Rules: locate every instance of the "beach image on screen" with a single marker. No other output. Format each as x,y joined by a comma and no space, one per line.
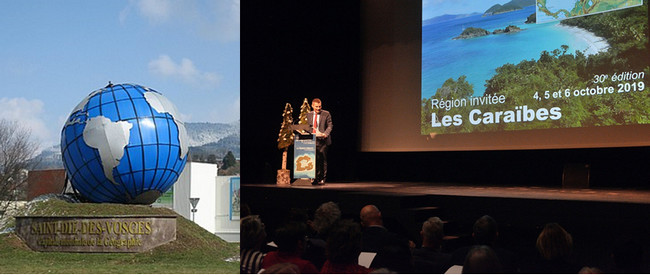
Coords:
493,65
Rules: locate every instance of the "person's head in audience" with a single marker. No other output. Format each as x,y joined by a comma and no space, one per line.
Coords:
432,233
485,231
297,215
344,243
554,242
290,238
371,216
325,216
252,232
481,259
245,210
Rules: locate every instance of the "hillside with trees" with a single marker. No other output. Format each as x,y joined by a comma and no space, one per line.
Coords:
508,7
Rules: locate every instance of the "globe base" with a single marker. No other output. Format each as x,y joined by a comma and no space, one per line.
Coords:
148,197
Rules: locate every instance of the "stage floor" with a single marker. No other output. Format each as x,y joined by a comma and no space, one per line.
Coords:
638,196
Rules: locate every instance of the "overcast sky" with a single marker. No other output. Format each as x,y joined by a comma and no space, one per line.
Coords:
54,53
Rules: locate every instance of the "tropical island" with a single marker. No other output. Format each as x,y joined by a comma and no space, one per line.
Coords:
531,19
472,32
513,5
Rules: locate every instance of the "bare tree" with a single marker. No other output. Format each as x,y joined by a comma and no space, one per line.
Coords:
16,151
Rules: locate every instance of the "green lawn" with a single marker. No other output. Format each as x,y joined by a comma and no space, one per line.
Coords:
195,250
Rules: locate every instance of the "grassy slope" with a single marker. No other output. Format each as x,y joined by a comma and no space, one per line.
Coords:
195,250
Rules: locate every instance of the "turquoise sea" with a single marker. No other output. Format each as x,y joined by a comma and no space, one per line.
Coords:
477,58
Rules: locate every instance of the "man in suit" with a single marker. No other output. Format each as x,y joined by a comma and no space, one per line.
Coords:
393,251
321,123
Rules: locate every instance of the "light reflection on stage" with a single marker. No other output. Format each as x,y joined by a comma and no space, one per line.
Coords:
520,192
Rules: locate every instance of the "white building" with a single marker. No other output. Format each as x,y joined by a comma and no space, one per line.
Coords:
217,210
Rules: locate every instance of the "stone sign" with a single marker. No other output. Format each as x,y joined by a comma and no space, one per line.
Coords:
96,233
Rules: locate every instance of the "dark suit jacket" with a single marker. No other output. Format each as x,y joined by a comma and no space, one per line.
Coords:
427,260
374,238
392,250
324,124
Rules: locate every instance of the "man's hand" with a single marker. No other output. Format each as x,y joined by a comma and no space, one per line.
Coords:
320,134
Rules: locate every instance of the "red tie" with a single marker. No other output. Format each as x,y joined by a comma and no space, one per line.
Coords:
315,122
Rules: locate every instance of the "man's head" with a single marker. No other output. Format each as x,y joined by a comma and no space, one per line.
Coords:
370,215
554,242
325,216
344,243
316,105
252,231
486,230
432,233
291,237
481,259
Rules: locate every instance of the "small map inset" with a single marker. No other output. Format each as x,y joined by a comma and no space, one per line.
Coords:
552,10
304,163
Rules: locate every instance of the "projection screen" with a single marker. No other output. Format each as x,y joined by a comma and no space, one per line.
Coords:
501,75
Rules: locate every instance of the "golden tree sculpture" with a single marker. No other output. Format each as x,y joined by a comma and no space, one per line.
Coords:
304,110
285,140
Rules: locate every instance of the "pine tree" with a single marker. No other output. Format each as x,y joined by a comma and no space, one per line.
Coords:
229,160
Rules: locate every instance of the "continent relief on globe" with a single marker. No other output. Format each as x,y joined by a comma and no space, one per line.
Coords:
109,138
162,105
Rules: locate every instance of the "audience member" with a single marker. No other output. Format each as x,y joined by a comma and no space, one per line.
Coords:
486,232
245,210
555,245
393,251
375,235
343,249
481,259
252,238
291,240
325,216
429,258
298,215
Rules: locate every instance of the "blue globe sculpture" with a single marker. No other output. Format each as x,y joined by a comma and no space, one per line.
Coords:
124,144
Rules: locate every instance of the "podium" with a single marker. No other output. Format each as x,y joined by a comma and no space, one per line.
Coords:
304,155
